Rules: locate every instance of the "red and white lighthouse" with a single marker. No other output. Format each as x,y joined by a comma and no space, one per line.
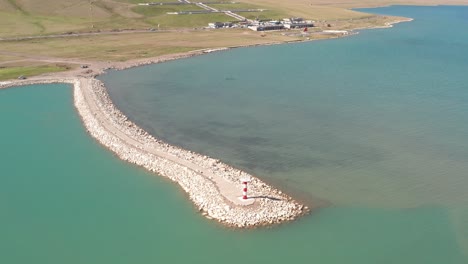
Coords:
244,187
244,190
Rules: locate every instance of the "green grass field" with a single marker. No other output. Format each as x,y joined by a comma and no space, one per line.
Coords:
28,17
157,10
236,5
268,13
191,21
265,15
14,72
157,15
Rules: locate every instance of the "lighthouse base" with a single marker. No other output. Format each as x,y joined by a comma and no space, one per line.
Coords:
247,201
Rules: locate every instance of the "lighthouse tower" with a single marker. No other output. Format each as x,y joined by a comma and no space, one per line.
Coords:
244,181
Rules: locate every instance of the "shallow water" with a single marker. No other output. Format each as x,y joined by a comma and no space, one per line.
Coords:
65,199
377,119
378,130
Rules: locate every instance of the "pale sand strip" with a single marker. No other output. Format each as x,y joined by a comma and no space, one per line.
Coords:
213,187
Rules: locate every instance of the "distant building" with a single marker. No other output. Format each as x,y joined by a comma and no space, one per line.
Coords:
220,25
296,19
297,22
289,23
266,27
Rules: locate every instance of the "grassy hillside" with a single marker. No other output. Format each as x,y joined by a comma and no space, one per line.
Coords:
32,17
26,17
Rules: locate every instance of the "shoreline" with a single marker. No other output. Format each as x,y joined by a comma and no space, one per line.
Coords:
164,58
214,187
390,24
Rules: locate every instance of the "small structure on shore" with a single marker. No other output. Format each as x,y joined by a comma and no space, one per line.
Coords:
286,23
244,189
220,25
297,22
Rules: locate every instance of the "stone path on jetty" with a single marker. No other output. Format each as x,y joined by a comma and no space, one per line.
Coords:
229,190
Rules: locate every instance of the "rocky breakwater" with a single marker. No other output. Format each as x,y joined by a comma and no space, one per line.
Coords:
214,187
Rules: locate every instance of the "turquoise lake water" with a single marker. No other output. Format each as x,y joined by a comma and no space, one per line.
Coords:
374,124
